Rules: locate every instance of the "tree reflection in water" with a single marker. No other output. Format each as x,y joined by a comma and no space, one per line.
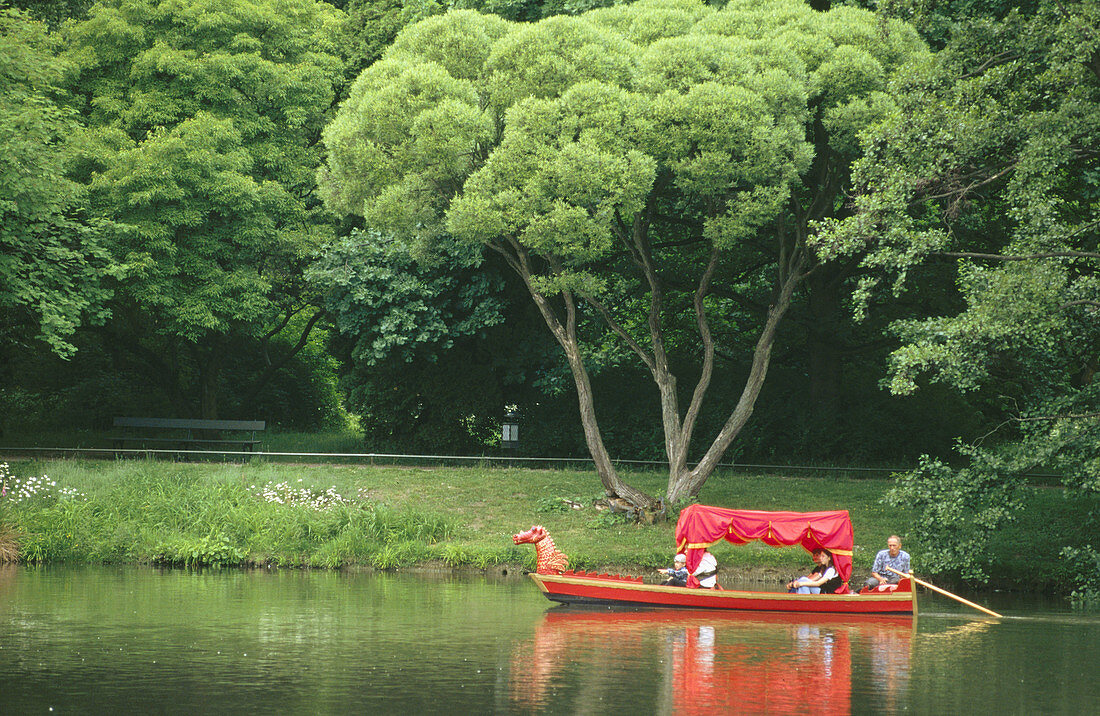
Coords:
706,662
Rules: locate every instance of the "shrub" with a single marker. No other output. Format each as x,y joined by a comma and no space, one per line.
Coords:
213,550
1083,566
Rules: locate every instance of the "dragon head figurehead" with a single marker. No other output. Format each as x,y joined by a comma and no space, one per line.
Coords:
549,560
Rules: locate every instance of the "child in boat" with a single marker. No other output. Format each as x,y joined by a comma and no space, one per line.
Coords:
678,575
823,578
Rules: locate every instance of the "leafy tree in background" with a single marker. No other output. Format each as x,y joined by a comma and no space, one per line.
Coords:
433,351
604,155
428,414
205,118
52,258
411,331
373,24
53,12
990,162
379,292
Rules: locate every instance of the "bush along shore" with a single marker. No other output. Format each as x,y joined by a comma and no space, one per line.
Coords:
335,516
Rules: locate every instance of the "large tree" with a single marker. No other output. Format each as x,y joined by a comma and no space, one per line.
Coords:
52,259
990,163
622,162
205,119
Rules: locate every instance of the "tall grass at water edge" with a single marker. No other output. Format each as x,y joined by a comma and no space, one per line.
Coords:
135,511
157,512
193,513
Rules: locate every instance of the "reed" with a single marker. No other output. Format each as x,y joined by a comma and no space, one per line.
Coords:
9,544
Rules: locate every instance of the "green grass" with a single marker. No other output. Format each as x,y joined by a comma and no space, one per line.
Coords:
331,441
193,513
141,511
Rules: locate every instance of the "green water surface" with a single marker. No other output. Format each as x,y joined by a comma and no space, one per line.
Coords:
126,640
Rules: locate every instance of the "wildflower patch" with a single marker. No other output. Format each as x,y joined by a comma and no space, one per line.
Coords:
15,489
284,493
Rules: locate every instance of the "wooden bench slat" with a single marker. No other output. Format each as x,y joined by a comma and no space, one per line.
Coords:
141,438
147,431
186,424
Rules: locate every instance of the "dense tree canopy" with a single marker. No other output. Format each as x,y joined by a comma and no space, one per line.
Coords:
53,12
605,155
204,119
990,161
52,260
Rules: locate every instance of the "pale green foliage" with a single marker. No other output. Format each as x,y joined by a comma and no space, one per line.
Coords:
460,42
561,172
52,256
572,145
548,133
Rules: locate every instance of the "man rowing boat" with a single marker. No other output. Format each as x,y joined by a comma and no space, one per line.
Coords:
894,558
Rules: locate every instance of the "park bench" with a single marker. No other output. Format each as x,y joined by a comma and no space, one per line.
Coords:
184,434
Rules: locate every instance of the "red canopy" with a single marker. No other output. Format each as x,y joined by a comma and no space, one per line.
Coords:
701,526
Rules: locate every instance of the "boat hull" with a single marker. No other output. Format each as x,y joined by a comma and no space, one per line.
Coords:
591,589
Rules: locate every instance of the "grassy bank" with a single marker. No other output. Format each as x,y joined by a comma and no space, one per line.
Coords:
138,511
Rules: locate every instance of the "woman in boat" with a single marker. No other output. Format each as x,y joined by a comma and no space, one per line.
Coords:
823,578
707,571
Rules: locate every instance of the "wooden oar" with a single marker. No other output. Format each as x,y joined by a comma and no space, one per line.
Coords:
946,593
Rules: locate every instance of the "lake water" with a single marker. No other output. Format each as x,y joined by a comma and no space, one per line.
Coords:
95,640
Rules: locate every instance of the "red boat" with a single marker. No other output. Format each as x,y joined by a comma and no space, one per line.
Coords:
701,526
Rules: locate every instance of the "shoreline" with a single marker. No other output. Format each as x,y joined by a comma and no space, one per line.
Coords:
439,520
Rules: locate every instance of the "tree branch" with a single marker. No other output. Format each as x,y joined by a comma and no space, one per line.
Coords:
519,262
621,332
959,193
708,347
998,59
1081,302
1069,416
1023,257
282,324
272,368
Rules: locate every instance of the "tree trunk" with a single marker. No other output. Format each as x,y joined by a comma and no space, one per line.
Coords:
565,332
677,430
613,485
688,483
209,371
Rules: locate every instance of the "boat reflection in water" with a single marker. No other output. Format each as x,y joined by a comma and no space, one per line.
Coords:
688,662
